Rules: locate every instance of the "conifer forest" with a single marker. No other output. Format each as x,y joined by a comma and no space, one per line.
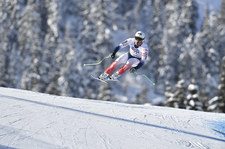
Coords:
44,45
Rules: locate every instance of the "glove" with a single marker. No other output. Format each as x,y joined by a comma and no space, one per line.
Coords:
113,55
133,70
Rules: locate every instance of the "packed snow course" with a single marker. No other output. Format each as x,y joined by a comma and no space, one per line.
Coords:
35,120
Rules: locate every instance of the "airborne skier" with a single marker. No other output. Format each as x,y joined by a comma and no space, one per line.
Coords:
134,58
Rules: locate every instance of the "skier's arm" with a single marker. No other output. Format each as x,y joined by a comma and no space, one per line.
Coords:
121,45
116,49
143,58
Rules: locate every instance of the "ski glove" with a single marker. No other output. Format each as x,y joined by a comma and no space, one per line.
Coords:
115,51
113,55
133,70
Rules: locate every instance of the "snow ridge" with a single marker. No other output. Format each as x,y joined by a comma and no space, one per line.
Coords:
36,120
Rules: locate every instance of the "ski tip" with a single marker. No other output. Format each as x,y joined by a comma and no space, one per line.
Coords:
96,78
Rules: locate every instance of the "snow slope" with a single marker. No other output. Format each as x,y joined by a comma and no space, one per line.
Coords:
35,120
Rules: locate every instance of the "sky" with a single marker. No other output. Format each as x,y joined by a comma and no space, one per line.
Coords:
36,120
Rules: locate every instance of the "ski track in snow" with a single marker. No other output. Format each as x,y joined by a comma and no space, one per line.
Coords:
35,120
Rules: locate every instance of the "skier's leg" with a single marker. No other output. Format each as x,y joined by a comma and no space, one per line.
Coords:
112,67
122,59
132,62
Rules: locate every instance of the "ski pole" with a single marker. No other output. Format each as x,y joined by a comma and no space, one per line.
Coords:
92,64
145,77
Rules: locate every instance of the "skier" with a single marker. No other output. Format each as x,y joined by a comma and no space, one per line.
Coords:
134,58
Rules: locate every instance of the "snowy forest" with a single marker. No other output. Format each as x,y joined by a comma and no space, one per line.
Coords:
44,45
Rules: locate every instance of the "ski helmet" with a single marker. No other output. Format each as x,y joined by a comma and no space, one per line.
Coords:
139,35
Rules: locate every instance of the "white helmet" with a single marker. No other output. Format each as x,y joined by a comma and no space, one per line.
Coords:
140,34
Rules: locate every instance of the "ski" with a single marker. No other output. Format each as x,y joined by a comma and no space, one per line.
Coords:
104,81
96,78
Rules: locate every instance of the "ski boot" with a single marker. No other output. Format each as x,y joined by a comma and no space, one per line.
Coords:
114,77
103,76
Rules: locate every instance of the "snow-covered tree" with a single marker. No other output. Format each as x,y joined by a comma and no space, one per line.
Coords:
185,58
141,97
177,97
155,44
140,11
10,61
217,104
221,88
170,40
179,23
205,57
66,59
4,22
53,88
105,93
222,12
189,15
214,104
30,40
51,37
205,24
179,94
193,101
212,58
96,33
221,30
169,95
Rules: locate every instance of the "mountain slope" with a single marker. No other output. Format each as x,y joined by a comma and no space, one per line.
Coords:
35,120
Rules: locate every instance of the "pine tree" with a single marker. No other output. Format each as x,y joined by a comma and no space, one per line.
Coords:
105,93
169,95
142,9
205,25
187,18
177,97
197,54
10,60
30,43
212,53
90,95
141,97
96,32
189,15
217,104
205,55
179,94
211,58
221,13
4,9
170,40
193,101
222,88
155,44
67,59
185,58
48,69
3,54
53,86
213,104
179,24
221,30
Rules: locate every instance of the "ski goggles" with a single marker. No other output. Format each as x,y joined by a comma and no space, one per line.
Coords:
138,39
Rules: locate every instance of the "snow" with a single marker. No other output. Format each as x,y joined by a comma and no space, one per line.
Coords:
192,87
36,120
